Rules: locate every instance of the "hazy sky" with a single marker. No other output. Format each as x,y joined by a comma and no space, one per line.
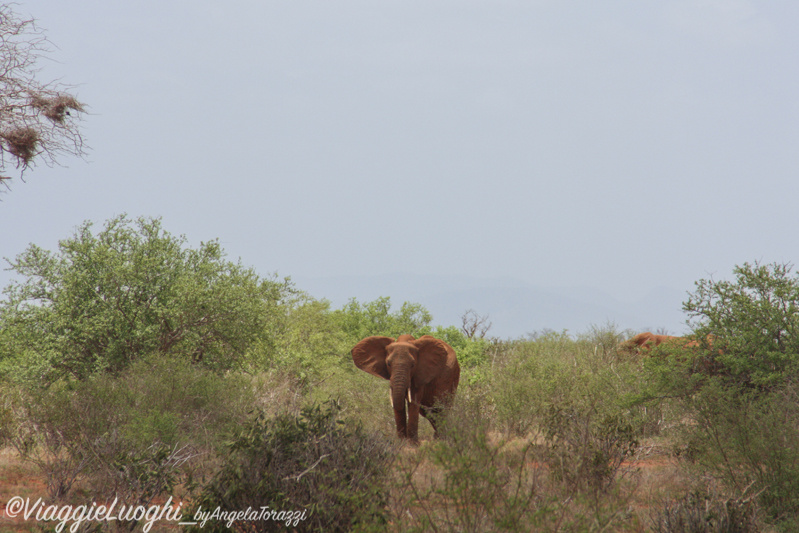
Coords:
622,145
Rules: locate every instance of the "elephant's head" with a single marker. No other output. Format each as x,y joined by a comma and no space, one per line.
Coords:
409,364
637,342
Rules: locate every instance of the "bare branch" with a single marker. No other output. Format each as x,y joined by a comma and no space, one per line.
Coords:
297,477
474,325
38,121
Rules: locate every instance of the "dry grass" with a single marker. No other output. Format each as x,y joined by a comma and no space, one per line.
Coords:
419,497
482,476
23,479
18,478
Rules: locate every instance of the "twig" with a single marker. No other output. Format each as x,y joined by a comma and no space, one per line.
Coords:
308,470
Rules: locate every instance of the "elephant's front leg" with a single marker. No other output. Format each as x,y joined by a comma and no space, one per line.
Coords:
414,404
399,419
413,421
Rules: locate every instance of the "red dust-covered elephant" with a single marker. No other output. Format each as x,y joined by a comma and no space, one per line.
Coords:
705,351
646,341
423,373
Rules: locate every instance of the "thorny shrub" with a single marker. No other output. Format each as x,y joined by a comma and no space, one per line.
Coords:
312,462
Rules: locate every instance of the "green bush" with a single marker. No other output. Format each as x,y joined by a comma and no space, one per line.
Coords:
518,384
733,397
359,320
106,429
748,440
753,324
586,448
314,465
106,299
308,341
553,371
604,342
472,352
468,482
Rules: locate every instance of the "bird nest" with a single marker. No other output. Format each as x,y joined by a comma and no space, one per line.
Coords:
21,143
56,108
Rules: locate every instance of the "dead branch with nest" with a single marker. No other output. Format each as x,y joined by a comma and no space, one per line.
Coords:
38,121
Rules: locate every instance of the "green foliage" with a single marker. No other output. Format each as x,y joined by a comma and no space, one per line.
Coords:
579,405
305,341
103,300
748,439
553,371
313,462
358,320
472,352
734,398
605,342
475,480
587,448
130,433
151,352
467,482
141,475
755,322
517,384
311,330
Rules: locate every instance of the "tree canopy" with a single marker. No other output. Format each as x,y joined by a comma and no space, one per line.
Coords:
104,300
751,324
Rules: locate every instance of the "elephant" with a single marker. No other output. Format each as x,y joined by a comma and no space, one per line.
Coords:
646,341
423,372
702,353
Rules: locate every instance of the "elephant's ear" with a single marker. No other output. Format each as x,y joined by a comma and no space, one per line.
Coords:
432,359
370,355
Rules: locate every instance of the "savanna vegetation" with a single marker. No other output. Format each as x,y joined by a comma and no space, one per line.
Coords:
136,367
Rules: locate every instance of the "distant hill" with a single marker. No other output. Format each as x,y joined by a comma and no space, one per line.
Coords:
515,308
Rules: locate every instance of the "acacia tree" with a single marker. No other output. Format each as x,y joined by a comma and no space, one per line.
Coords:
753,321
38,121
104,300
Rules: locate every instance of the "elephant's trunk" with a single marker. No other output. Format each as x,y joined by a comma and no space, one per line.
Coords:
399,391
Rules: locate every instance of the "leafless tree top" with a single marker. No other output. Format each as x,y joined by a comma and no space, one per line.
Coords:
38,121
474,325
